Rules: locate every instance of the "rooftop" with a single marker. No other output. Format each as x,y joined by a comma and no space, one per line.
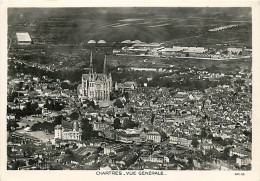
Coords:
23,36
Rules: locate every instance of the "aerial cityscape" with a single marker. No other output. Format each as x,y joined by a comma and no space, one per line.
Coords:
129,88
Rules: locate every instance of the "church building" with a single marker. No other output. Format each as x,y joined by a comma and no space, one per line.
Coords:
96,86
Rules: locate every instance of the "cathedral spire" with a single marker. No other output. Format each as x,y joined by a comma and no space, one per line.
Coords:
91,63
105,66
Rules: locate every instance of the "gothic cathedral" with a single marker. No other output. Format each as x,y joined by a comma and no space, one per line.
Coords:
96,86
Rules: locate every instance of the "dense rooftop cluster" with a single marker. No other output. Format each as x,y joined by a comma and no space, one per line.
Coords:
144,127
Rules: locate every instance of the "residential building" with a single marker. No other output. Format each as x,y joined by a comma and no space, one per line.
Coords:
154,136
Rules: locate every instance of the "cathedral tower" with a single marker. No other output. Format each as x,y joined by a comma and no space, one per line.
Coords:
96,86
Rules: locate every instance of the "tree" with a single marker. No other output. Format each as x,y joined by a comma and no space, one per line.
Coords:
12,125
64,85
190,164
124,114
194,142
240,81
15,165
163,135
110,113
35,127
225,52
75,146
28,149
152,119
132,110
118,103
128,124
126,95
11,96
74,116
225,155
32,161
203,133
43,126
68,151
26,87
210,136
58,120
117,124
92,104
87,130
51,105
20,85
34,106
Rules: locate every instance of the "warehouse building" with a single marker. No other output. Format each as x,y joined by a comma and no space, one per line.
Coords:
23,38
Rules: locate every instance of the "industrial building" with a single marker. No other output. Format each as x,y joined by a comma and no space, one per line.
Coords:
23,38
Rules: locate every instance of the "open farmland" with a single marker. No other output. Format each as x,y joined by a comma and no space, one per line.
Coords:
60,35
156,62
78,26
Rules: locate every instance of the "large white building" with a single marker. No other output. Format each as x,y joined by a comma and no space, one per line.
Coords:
126,86
23,38
154,136
64,133
96,86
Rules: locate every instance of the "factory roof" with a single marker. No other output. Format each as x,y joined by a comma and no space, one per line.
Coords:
23,36
136,41
101,41
92,41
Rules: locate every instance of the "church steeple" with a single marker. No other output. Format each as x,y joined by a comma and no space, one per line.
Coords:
105,66
91,63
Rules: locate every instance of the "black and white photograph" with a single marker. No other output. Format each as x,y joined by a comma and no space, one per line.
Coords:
109,89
